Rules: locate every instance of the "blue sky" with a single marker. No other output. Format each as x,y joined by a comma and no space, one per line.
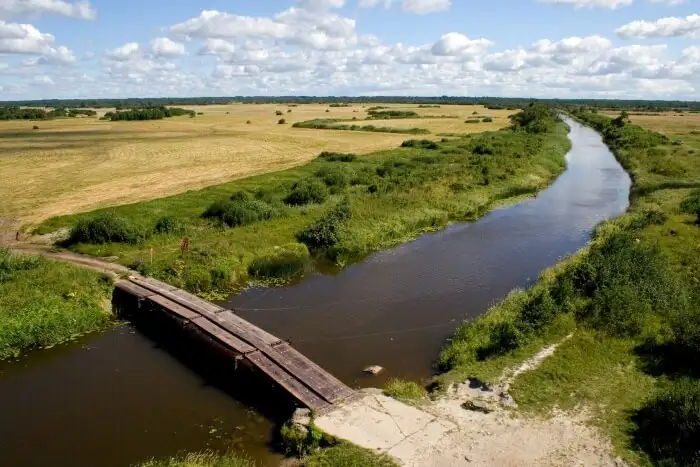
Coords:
558,48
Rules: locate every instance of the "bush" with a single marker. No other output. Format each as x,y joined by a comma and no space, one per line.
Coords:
240,212
503,337
35,127
104,228
279,112
537,313
168,225
420,143
324,233
691,205
472,120
487,120
248,122
668,427
240,196
335,176
306,192
282,121
337,157
647,218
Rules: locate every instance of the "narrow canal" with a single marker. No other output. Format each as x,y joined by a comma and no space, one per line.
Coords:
118,398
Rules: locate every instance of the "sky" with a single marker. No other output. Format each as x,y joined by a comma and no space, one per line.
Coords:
622,49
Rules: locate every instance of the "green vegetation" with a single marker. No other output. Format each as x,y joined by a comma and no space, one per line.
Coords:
630,300
204,459
43,303
404,390
348,455
335,124
392,114
339,206
18,113
149,113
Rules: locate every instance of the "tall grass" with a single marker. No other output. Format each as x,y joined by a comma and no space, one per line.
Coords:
43,303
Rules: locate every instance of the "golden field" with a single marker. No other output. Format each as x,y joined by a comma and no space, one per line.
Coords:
77,164
669,123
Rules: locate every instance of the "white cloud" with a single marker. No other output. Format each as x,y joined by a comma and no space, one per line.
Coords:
80,9
217,47
417,7
43,80
124,53
670,2
664,27
321,5
162,46
212,23
60,55
23,39
452,44
608,4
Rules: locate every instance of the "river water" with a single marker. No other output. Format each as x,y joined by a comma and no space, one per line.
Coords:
117,398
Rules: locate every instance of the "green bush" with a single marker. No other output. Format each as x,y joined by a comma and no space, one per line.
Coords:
335,176
691,205
472,120
324,233
537,313
239,213
168,225
420,143
648,217
668,426
104,228
307,191
337,157
503,337
240,196
487,120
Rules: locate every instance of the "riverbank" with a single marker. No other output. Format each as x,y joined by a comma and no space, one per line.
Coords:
338,208
629,301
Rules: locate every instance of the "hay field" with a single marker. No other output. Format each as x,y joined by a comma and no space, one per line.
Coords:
669,123
78,164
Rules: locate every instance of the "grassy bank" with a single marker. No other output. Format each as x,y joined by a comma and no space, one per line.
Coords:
43,303
630,299
340,207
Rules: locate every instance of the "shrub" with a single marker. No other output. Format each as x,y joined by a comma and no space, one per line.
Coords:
35,127
104,228
337,157
239,213
282,121
503,337
248,122
306,192
240,196
691,205
335,176
668,426
537,313
420,143
324,233
168,225
487,120
279,112
472,120
648,217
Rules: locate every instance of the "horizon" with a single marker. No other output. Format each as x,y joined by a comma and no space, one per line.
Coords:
540,49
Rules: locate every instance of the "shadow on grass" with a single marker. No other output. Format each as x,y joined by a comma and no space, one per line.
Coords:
669,359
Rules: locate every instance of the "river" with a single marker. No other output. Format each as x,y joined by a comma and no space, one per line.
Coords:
116,398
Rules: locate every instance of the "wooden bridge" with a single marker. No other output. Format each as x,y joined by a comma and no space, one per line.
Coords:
307,382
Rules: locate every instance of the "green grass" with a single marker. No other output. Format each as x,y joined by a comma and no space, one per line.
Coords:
335,124
395,195
633,292
404,390
205,459
348,455
43,303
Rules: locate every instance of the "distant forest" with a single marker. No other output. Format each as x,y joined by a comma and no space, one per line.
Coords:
491,102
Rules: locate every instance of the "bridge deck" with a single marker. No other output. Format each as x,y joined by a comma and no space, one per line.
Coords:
307,382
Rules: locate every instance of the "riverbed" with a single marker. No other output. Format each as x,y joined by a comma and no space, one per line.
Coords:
117,398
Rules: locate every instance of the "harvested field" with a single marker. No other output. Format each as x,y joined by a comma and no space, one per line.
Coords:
77,164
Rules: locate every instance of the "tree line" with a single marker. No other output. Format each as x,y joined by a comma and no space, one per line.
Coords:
19,113
152,113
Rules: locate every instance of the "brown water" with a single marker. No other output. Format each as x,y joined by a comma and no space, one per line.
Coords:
117,398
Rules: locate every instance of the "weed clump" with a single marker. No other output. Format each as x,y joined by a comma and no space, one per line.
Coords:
237,213
335,176
168,225
281,263
420,143
104,228
307,191
337,157
404,390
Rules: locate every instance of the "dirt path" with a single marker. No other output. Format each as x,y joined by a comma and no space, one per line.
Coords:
472,425
83,261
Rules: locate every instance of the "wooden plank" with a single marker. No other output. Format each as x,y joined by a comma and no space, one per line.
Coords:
331,388
284,379
197,305
222,336
236,320
133,289
172,307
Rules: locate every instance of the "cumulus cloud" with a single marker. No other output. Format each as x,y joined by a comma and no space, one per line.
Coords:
664,27
321,5
125,52
217,47
670,2
452,44
80,9
417,7
607,4
162,46
23,39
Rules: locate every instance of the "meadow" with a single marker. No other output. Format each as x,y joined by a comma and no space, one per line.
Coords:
628,303
72,165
